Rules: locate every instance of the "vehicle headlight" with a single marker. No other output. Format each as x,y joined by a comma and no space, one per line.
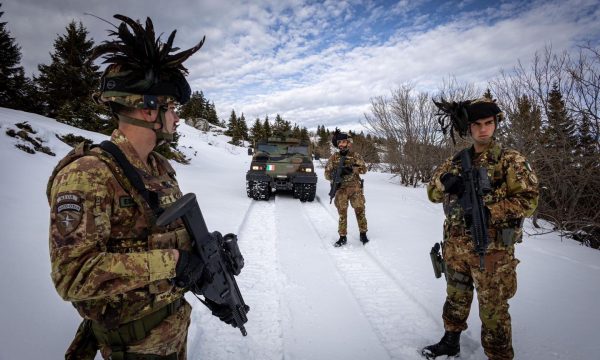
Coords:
308,170
257,167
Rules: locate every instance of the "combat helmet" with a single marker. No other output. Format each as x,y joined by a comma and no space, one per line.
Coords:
338,136
143,72
457,116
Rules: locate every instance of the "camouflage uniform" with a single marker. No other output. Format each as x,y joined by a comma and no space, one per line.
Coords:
514,197
349,190
109,259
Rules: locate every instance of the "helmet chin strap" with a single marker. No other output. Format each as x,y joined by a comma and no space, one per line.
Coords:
161,136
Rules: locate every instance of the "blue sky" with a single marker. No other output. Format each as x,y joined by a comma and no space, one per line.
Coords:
319,62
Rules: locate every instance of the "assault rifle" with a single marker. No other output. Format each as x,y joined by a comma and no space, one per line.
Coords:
337,179
477,184
221,256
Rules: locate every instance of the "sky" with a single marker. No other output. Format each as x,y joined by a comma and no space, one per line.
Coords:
320,62
308,299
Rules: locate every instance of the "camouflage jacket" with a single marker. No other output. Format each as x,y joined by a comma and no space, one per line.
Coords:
108,258
352,159
514,196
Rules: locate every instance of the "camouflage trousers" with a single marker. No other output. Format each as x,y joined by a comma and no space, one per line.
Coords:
355,196
169,337
495,286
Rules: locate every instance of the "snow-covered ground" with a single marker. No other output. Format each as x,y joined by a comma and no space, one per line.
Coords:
308,299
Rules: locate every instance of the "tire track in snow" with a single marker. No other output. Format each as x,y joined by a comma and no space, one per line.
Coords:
399,319
322,319
212,339
470,345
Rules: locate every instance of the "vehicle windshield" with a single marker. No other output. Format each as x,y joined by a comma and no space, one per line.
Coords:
270,149
303,150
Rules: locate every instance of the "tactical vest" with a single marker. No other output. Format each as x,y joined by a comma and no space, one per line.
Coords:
503,235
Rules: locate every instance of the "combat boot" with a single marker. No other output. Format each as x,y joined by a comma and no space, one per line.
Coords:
449,345
341,241
363,238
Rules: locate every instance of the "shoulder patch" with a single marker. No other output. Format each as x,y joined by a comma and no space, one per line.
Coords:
69,212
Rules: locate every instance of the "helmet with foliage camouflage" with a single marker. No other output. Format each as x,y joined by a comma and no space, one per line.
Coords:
456,116
143,72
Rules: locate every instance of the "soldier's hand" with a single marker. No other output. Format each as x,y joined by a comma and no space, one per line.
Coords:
346,170
223,312
189,270
453,184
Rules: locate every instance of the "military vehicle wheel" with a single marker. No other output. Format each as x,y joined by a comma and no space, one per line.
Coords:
261,190
312,192
305,192
249,186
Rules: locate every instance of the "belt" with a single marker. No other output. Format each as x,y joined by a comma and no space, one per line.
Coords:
130,332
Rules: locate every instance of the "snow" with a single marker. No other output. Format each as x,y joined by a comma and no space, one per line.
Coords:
308,299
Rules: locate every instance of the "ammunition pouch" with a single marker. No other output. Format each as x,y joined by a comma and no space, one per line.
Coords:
125,334
459,280
511,234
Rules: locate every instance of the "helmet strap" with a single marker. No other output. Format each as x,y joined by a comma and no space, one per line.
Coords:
136,122
162,136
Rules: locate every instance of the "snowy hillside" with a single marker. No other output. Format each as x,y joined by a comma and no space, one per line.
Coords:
308,299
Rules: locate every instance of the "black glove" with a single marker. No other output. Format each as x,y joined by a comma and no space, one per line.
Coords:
346,170
223,312
189,269
453,184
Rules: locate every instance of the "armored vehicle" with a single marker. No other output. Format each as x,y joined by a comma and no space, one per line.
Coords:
281,164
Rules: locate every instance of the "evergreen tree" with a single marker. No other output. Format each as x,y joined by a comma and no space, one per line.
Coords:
304,137
560,132
15,88
267,132
323,148
211,114
324,137
281,127
586,145
296,131
256,132
525,126
231,124
194,110
242,128
68,82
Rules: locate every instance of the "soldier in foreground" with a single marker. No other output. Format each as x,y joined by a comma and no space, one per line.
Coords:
511,196
347,185
125,275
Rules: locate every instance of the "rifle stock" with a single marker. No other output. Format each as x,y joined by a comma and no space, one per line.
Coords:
221,256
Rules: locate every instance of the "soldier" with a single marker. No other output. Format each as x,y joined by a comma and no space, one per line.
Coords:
514,196
125,275
351,187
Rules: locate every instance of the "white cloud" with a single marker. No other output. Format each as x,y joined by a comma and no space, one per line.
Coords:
320,63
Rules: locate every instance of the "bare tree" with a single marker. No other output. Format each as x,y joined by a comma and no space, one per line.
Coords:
407,122
552,117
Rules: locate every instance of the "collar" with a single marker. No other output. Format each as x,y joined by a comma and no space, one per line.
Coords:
127,148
